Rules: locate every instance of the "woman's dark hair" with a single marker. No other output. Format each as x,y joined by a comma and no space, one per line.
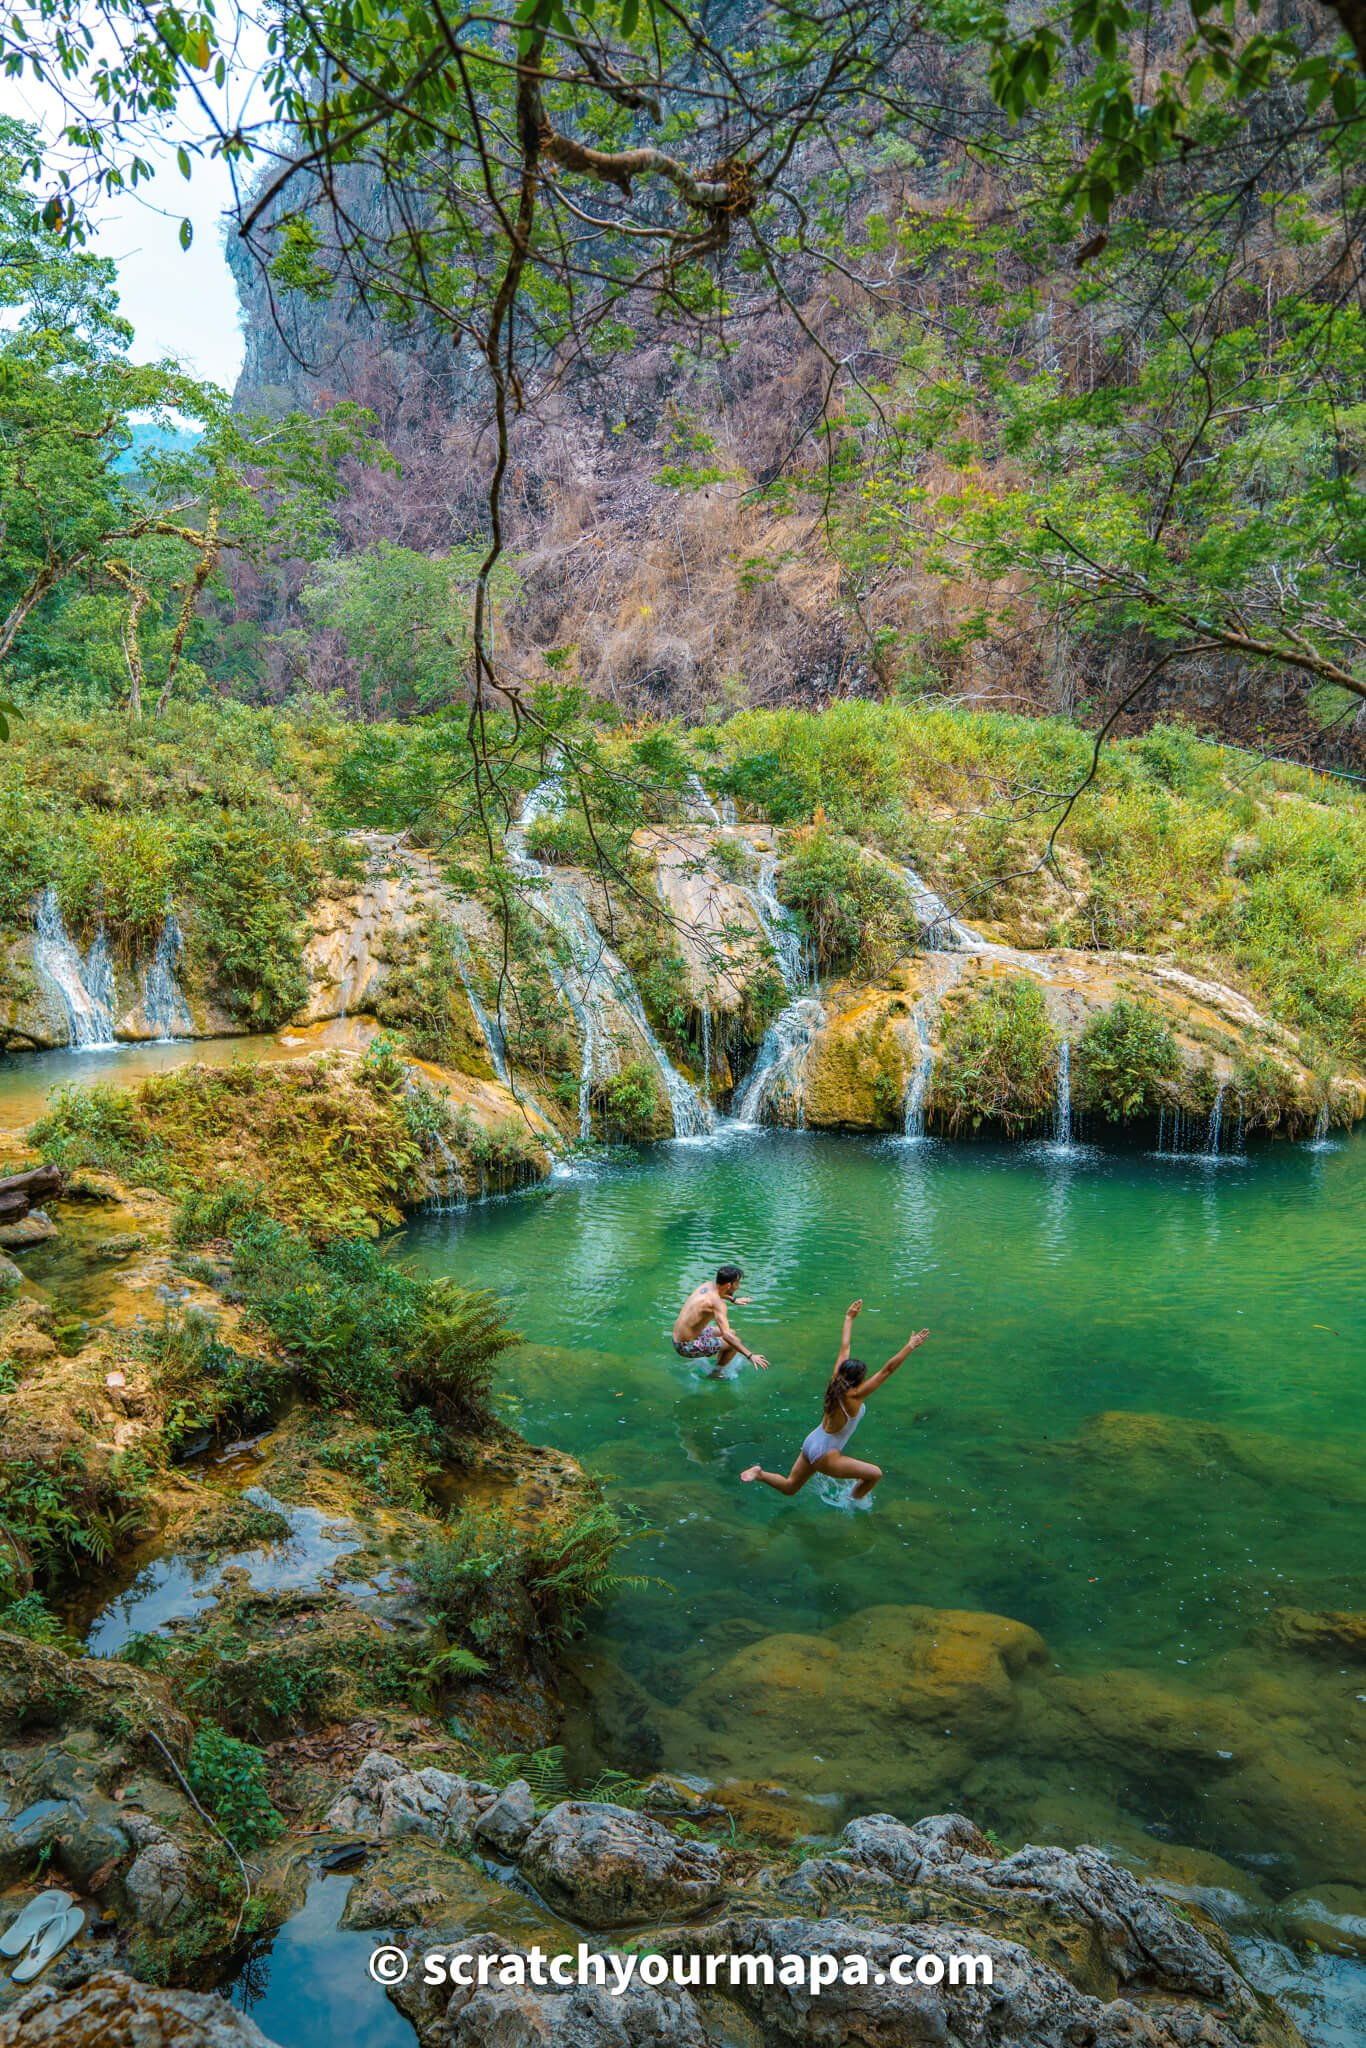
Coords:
851,1374
726,1275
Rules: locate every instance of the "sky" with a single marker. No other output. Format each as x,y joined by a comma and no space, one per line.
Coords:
181,303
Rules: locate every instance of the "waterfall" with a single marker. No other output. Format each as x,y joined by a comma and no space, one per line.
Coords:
1216,1122
939,927
163,1001
593,972
493,1035
1062,1108
1320,1141
729,814
780,928
779,1065
698,804
448,1185
918,1092
706,1049
85,987
777,1076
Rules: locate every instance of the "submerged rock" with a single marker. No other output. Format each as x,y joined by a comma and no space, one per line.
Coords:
608,1867
113,2011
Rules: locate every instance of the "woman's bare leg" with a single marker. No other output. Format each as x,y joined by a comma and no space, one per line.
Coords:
794,1482
840,1467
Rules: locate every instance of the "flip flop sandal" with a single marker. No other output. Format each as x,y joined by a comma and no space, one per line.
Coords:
50,1943
32,1920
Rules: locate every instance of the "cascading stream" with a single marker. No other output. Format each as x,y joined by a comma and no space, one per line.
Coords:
163,1000
1062,1108
778,1074
84,987
592,972
918,1092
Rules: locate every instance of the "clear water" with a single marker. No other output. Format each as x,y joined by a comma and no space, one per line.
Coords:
1137,1428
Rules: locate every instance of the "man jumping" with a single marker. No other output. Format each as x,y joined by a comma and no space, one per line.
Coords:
703,1328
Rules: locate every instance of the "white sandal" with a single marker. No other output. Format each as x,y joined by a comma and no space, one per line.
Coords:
50,1943
32,1920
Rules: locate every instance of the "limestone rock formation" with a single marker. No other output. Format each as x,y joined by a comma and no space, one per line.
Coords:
608,1867
111,2010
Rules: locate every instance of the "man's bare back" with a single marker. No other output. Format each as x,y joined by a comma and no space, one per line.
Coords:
703,1327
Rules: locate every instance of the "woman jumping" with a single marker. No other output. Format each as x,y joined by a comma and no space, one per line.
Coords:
823,1450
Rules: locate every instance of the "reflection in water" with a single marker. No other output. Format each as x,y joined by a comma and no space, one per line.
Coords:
307,1986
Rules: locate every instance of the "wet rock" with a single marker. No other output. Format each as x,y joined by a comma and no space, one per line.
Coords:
35,1228
512,2015
109,1250
508,1822
387,1799
113,2011
1028,2002
1332,1916
608,1867
10,1277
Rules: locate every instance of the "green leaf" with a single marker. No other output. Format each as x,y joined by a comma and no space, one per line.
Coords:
182,157
186,233
630,17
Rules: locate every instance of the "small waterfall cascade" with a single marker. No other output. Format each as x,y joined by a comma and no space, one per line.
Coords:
493,1035
1321,1142
918,1088
698,804
777,1078
163,1000
706,1049
593,971
729,814
1215,1128
780,928
85,987
448,1182
1062,1106
941,930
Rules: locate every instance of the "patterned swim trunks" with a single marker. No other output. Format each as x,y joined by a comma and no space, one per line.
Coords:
706,1346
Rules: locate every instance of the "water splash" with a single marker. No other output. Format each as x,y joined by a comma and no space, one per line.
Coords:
591,972
85,988
777,1080
163,1000
918,1091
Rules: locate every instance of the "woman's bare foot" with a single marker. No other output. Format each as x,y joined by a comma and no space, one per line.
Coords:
752,1472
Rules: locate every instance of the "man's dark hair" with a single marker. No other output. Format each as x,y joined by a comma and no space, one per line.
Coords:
726,1274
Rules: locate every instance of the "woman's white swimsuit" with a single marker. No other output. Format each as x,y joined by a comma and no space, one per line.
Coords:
821,1441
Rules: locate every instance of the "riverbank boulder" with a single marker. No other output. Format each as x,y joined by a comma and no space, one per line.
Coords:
512,2015
111,2010
387,1799
608,1867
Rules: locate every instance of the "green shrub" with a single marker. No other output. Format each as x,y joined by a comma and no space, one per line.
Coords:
998,1059
499,1584
631,1100
31,1616
228,1778
856,910
1123,1059
366,1334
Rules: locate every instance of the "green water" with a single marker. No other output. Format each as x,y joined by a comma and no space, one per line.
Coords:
1137,1428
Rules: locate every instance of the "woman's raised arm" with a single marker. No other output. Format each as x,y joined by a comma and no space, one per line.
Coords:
898,1358
847,1335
